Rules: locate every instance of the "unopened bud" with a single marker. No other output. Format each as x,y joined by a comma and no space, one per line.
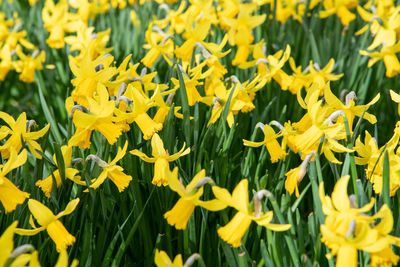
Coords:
78,107
29,124
350,97
257,201
98,160
189,262
277,124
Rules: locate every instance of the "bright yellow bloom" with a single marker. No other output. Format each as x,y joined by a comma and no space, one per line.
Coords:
90,74
190,195
101,118
5,61
350,108
15,257
10,195
49,222
20,131
57,20
159,44
388,54
112,171
233,232
28,64
70,173
341,8
160,159
274,149
348,229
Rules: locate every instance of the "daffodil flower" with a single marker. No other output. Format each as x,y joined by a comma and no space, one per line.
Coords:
28,64
70,173
19,256
20,131
190,195
388,54
349,108
112,171
100,117
49,222
10,195
348,229
233,232
274,149
160,159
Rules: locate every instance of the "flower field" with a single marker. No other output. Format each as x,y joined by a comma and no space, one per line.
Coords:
199,133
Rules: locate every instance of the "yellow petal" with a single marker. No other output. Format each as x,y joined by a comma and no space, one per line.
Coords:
69,208
340,197
42,214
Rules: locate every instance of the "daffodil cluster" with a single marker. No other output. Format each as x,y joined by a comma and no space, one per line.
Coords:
17,53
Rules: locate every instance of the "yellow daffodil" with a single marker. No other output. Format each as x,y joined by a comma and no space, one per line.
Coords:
388,54
57,20
70,173
160,159
296,175
138,114
49,222
190,195
20,131
90,74
100,117
19,256
159,44
350,109
10,195
28,64
112,171
5,61
341,8
370,155
233,232
274,149
348,229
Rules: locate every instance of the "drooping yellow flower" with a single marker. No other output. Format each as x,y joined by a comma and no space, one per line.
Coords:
190,195
294,176
10,195
100,117
15,257
370,155
341,8
28,64
388,54
112,171
274,149
159,44
90,74
70,173
233,232
57,20
49,222
160,159
20,131
348,229
350,108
